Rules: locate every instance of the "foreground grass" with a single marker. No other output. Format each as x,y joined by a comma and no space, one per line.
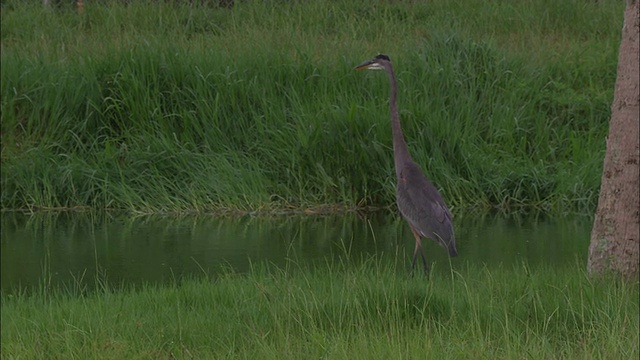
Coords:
366,311
156,107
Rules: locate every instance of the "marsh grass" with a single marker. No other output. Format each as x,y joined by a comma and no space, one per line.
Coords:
155,107
371,310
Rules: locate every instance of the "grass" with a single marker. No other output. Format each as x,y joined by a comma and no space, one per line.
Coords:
156,107
367,311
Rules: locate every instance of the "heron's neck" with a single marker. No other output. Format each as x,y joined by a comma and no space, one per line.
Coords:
400,151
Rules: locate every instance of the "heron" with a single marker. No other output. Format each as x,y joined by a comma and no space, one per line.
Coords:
417,198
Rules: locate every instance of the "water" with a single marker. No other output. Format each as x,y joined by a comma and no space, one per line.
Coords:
65,248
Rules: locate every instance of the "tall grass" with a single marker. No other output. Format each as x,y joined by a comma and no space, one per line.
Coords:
337,311
156,107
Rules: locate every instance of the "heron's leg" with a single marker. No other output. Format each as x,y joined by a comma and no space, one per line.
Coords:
419,249
424,263
415,255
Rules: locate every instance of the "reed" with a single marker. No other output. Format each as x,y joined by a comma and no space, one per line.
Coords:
160,107
371,310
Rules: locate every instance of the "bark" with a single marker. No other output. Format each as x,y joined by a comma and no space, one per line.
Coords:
615,242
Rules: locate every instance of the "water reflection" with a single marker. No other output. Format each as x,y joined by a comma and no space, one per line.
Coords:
64,247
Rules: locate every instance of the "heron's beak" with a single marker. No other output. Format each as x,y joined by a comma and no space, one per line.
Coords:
364,65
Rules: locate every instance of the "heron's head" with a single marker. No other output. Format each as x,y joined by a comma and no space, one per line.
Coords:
377,63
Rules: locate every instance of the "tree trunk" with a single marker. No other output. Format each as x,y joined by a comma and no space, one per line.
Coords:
615,242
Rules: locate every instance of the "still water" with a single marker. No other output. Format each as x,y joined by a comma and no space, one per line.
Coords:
65,248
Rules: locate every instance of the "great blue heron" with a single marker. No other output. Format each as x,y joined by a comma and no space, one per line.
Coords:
418,200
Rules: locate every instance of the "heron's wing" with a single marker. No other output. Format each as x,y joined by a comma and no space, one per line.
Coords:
420,202
427,201
440,211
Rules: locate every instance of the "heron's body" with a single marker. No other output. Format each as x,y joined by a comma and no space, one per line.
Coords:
418,200
422,206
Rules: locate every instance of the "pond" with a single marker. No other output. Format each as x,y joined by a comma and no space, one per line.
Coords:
64,248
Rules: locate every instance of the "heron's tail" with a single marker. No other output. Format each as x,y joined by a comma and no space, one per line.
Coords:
451,247
452,251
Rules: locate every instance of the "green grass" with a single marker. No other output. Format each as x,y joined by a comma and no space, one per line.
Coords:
170,108
368,311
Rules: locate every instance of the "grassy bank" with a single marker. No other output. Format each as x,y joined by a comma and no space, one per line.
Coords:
171,108
369,311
